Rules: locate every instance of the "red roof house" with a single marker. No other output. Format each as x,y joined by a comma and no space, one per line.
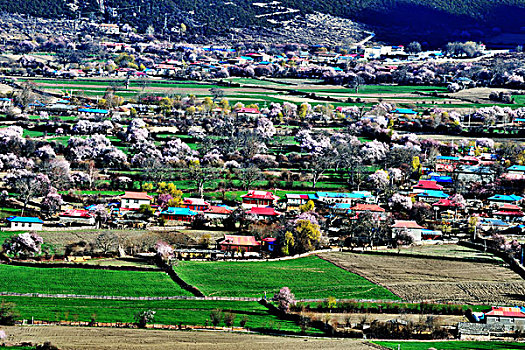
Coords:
367,207
424,185
509,210
409,227
509,311
258,199
234,243
197,204
263,211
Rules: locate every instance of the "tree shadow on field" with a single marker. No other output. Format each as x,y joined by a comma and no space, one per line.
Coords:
518,297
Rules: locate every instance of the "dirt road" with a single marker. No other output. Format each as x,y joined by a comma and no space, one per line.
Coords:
80,338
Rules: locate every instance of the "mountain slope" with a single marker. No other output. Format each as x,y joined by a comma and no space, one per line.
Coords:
396,20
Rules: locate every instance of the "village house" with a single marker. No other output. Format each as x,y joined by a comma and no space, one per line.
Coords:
263,212
217,212
294,201
509,213
76,216
233,243
512,317
411,228
25,223
426,185
133,200
248,113
501,199
178,214
345,197
431,196
259,199
375,209
197,204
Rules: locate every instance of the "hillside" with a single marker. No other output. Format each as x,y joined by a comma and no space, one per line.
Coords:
394,20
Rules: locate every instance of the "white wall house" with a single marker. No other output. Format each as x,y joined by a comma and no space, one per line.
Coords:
133,200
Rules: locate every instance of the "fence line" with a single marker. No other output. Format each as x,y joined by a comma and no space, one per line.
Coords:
203,298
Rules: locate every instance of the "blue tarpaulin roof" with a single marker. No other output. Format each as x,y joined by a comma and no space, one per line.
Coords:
179,211
505,198
433,194
93,110
442,179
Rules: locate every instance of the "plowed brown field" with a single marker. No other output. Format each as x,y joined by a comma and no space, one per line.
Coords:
434,279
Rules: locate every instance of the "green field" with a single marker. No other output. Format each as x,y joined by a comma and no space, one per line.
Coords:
186,312
309,277
452,345
87,282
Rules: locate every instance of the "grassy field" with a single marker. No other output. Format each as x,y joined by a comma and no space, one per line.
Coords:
187,312
435,279
450,345
87,282
309,277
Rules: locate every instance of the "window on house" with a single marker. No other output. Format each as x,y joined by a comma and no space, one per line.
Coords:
136,201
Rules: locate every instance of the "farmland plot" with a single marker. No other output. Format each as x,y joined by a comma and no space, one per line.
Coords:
20,279
307,278
437,280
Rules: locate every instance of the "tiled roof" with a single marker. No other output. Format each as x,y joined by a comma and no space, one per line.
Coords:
428,184
136,195
239,240
406,224
506,312
218,210
367,207
76,213
260,195
263,211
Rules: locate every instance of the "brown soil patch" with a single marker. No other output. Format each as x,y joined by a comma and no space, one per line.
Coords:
436,280
80,338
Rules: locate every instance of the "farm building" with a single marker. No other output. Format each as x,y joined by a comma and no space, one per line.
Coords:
233,243
258,199
179,214
133,200
23,223
412,228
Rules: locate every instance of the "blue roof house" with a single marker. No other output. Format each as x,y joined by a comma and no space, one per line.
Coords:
25,223
500,199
